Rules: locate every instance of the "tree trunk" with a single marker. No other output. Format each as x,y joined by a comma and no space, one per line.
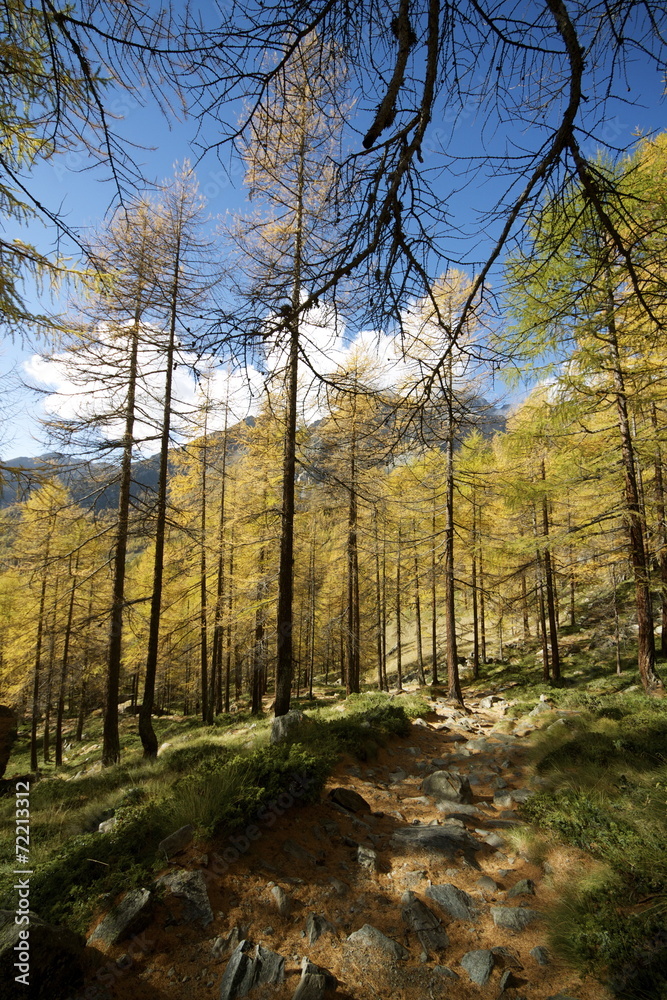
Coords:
38,655
399,650
111,741
434,604
662,530
63,668
549,581
634,523
453,681
353,629
418,613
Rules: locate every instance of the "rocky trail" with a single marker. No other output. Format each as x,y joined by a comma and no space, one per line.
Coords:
401,883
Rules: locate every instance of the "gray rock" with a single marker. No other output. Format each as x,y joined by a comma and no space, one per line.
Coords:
55,965
508,958
281,899
349,799
514,918
367,858
478,965
424,924
455,902
107,825
316,926
245,970
176,841
296,851
541,708
309,968
487,884
489,701
502,800
492,839
522,794
447,786
128,917
540,954
435,838
416,800
340,888
442,970
283,724
370,937
508,981
191,888
420,722
458,808
526,887
311,987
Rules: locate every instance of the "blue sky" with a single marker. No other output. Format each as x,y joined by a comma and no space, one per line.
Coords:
84,197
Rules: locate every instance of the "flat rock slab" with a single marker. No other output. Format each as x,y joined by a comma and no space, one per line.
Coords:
455,902
129,916
425,925
478,965
176,841
247,969
458,808
191,888
370,937
434,838
349,799
447,786
55,964
514,918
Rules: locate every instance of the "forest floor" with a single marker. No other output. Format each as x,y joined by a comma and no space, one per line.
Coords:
310,853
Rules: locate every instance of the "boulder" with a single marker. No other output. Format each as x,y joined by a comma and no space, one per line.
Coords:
191,888
245,970
176,841
282,725
349,799
526,887
455,902
435,838
56,962
128,917
445,786
370,937
316,926
514,918
424,924
314,982
281,899
367,858
478,965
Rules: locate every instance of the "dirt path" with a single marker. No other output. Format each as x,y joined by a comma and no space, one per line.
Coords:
312,854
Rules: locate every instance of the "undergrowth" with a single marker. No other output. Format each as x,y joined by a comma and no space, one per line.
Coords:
217,779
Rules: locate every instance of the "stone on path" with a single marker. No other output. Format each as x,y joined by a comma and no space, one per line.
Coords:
370,937
281,899
245,971
435,838
424,924
191,888
282,724
128,917
55,962
455,902
349,799
316,926
514,918
526,887
540,954
367,858
478,965
176,841
447,786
